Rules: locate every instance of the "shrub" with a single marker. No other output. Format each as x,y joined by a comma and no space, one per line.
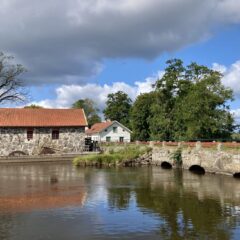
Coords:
126,154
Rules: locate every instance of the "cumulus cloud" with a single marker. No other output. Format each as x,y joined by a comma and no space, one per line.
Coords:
66,41
68,94
236,115
231,76
231,79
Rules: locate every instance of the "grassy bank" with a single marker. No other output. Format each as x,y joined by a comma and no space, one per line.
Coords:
112,158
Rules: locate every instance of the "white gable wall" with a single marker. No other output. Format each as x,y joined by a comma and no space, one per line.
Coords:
114,136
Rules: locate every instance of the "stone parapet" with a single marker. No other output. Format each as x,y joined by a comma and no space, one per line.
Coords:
211,160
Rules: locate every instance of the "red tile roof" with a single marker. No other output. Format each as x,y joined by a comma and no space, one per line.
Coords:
27,117
98,127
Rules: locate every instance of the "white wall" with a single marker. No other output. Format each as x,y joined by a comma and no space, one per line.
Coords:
115,137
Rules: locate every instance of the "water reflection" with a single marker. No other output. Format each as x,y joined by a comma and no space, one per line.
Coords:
27,188
187,212
61,202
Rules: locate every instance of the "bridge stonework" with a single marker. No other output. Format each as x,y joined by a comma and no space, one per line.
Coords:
211,160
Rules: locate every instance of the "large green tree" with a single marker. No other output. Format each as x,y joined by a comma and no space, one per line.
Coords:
203,112
90,110
191,103
167,89
140,116
118,107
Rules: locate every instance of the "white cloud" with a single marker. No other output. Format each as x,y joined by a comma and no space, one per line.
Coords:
68,94
236,115
147,85
66,41
220,68
231,79
231,76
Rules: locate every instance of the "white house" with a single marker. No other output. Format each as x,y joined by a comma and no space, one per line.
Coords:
109,131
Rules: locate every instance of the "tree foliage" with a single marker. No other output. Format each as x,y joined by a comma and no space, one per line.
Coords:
90,109
118,107
167,89
190,103
141,115
11,86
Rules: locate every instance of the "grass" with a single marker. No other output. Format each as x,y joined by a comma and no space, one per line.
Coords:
112,157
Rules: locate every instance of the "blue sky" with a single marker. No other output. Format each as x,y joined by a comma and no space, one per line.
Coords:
222,47
90,48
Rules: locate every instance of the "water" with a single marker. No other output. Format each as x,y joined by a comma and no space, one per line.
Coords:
57,201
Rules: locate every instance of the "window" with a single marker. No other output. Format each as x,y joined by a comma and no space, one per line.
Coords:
29,133
55,134
121,139
115,129
108,139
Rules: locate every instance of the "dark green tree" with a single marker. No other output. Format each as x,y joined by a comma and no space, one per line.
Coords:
167,89
141,115
90,109
118,107
203,112
191,104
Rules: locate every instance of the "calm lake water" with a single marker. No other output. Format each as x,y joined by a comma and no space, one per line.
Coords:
61,202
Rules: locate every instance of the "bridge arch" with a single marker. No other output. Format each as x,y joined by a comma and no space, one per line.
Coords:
236,175
166,165
197,169
17,154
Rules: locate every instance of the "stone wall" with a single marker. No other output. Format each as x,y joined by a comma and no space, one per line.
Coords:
71,140
212,160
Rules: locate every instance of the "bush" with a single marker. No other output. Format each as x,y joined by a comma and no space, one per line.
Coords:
126,154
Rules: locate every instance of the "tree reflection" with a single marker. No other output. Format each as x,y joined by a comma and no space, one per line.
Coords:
185,216
184,213
123,184
119,198
6,225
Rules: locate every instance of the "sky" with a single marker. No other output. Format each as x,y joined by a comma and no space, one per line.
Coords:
76,49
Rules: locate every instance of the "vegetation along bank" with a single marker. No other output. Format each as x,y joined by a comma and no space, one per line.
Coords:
123,156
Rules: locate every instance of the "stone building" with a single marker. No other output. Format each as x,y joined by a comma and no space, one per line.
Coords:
41,131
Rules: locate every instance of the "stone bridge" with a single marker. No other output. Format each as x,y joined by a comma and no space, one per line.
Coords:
199,159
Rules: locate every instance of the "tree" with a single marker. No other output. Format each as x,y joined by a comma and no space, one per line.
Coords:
191,104
141,115
118,107
34,106
11,86
167,90
90,109
203,112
